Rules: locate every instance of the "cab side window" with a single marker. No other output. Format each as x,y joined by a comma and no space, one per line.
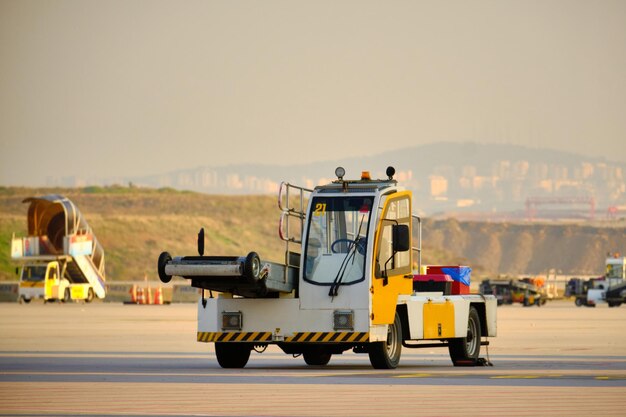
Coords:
398,211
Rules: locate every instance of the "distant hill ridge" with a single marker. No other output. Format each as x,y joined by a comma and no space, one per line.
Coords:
134,225
420,159
444,176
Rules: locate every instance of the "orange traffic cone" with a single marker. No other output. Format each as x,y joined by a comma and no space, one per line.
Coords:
158,296
133,294
140,297
149,295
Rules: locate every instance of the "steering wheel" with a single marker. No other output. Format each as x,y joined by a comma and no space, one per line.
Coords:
360,245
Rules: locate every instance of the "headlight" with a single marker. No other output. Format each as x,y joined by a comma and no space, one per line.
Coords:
343,320
232,320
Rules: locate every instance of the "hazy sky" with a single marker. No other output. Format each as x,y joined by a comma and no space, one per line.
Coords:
107,88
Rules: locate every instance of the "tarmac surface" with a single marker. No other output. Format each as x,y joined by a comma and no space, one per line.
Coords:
106,359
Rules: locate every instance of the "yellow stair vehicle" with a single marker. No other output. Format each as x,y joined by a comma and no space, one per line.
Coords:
61,258
351,287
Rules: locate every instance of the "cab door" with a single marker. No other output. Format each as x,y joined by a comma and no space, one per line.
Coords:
52,281
391,269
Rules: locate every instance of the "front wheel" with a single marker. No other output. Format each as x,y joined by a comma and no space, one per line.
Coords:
232,355
579,302
386,355
66,296
90,296
316,357
464,351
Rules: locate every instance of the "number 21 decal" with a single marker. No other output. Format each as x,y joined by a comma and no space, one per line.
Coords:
320,208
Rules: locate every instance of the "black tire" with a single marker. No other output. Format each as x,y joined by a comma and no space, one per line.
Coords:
316,357
252,266
386,355
66,296
90,296
232,355
578,302
164,258
464,351
24,300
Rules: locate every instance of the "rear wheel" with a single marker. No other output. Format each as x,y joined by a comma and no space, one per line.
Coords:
386,355
66,296
90,296
316,357
464,351
579,302
232,355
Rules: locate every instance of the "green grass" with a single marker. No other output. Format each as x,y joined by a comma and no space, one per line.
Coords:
135,225
8,225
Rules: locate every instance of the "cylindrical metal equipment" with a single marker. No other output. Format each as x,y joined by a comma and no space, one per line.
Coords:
198,270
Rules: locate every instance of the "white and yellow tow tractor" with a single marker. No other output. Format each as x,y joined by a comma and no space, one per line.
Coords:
350,287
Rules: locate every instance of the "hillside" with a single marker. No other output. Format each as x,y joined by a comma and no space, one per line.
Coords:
134,225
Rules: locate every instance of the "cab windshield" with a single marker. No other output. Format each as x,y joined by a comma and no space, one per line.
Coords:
614,271
34,273
337,240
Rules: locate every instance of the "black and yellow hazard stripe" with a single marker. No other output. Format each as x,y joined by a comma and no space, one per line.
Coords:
234,337
329,337
304,337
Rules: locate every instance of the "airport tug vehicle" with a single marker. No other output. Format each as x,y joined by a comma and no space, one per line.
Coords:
351,287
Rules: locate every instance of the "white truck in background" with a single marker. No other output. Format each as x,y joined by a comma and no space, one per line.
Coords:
609,288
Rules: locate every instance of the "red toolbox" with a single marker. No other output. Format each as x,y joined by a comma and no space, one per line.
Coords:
460,277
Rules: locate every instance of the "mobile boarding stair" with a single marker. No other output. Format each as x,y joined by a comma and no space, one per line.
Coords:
57,231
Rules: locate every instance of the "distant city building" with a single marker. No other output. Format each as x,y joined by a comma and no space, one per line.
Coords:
499,186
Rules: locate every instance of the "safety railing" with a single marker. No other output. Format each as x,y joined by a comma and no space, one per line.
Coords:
291,207
418,248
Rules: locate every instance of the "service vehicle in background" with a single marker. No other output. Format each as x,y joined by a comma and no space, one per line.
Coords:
610,288
350,287
61,258
526,291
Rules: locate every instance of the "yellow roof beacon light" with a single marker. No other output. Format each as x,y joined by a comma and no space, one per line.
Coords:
365,176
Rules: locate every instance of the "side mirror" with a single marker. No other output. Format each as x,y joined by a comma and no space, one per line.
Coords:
401,240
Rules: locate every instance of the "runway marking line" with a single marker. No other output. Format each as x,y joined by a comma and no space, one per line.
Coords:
298,374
